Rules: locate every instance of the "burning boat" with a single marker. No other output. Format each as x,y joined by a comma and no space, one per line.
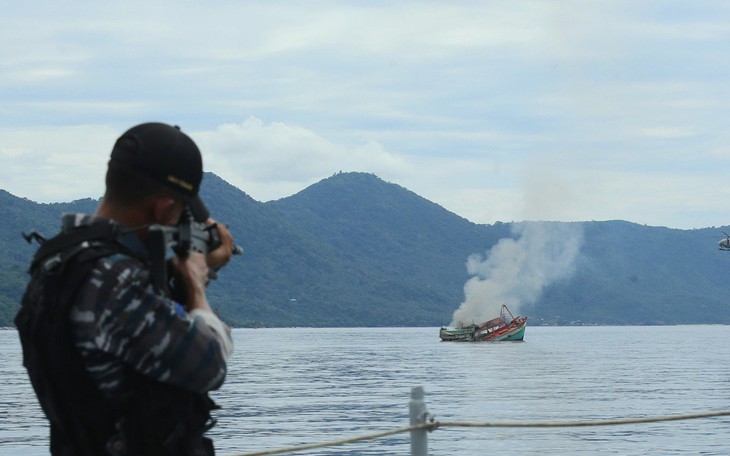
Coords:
505,327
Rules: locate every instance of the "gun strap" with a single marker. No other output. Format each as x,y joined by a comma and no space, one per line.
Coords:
157,245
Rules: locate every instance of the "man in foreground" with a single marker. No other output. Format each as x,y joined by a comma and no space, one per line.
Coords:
119,366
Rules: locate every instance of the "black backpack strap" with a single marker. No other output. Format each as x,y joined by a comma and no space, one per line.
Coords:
73,238
68,244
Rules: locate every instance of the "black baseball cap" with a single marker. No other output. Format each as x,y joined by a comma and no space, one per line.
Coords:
166,155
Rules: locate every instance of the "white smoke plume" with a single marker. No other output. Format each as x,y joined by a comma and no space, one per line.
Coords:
516,271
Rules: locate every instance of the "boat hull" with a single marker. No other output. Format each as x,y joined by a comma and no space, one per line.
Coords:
515,334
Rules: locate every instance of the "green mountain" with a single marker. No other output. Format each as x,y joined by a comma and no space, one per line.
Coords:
353,250
22,215
630,273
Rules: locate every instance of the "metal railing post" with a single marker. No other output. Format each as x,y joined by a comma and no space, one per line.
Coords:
419,415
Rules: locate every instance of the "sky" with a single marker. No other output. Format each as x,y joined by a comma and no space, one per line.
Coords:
498,111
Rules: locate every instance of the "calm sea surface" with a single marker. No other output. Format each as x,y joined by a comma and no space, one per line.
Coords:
298,386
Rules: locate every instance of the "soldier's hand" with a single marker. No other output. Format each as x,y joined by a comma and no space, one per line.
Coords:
191,272
221,255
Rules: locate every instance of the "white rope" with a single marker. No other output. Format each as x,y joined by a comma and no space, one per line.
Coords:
430,426
619,421
334,442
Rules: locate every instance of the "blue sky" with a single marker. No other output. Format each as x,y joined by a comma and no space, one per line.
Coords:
498,111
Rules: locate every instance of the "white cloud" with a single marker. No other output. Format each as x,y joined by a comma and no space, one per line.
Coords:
497,110
50,164
270,160
666,132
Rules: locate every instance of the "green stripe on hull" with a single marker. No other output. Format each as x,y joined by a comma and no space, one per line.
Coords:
519,335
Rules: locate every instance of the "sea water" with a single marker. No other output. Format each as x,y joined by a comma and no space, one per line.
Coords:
301,385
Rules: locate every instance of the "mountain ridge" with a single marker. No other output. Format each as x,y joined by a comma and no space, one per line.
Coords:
354,250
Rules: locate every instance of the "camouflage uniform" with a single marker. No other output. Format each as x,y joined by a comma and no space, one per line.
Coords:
119,320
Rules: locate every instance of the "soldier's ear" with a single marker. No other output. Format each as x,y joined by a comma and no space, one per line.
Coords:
167,210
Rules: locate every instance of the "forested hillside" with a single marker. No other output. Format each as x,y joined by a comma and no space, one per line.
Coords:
21,215
353,250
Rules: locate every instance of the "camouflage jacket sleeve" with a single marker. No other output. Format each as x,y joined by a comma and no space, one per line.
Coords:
119,321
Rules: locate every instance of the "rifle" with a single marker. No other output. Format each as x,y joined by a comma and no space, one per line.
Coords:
185,237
